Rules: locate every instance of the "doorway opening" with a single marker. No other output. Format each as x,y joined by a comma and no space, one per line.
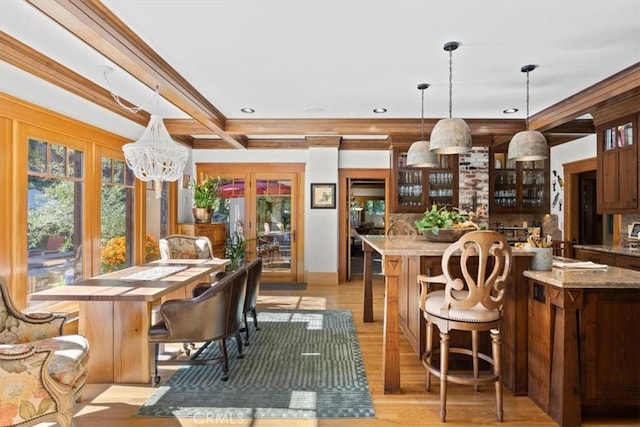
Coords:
590,223
367,208
363,209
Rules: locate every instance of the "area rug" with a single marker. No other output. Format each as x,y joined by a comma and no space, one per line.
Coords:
300,364
283,286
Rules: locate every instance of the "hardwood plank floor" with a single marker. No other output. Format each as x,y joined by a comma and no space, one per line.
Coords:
114,405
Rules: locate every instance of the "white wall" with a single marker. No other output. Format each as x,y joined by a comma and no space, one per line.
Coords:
322,164
580,149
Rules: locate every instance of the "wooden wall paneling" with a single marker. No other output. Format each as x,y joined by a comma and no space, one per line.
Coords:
6,191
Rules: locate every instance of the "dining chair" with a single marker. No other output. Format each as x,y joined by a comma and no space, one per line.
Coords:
401,228
471,301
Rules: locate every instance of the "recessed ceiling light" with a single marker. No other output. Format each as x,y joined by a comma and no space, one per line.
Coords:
248,110
510,110
379,110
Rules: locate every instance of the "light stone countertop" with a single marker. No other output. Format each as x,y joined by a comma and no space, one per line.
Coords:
415,246
616,250
611,277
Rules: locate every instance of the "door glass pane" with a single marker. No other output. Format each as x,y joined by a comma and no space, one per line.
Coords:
273,216
157,219
54,218
116,218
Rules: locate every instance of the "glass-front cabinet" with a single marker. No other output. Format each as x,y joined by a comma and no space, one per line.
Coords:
518,187
618,167
416,189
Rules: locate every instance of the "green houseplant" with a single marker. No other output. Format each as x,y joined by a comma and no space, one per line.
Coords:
453,222
206,198
236,251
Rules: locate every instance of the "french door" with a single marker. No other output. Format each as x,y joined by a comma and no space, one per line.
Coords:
263,207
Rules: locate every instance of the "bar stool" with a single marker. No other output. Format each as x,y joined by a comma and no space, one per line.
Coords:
471,301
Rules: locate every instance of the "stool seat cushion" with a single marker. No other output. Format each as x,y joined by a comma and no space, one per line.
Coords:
478,314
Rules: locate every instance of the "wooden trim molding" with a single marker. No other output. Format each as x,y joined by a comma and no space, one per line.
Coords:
30,60
572,194
92,22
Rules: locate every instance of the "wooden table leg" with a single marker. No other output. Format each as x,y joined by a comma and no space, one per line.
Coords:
367,284
391,347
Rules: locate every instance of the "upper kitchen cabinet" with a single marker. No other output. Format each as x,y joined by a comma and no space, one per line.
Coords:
517,187
414,190
618,166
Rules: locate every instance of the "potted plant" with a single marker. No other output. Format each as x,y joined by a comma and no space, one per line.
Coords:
236,251
206,198
445,225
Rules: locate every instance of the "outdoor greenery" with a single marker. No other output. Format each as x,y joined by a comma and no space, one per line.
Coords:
51,212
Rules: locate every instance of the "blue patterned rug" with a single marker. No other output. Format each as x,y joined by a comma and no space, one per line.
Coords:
301,364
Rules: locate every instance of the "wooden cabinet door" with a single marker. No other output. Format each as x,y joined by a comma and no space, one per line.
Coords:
414,190
618,166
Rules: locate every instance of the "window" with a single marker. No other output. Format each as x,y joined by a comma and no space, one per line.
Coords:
54,214
117,209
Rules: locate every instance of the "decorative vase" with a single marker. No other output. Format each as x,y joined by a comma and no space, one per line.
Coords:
448,235
202,214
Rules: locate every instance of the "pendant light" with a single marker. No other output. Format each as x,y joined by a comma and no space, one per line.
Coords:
528,145
452,135
419,155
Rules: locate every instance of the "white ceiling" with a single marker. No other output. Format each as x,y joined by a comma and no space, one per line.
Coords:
341,59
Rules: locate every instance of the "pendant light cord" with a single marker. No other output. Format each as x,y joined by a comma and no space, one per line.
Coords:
527,121
422,117
450,82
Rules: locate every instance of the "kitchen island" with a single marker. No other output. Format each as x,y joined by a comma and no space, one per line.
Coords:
403,258
584,342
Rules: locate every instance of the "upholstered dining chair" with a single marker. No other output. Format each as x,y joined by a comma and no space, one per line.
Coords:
254,274
214,315
178,246
401,228
471,301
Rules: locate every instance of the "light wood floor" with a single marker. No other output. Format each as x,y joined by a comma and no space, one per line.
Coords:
114,405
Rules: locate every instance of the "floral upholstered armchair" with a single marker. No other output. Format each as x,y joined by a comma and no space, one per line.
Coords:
42,373
177,246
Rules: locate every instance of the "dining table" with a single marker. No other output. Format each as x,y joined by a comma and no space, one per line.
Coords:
115,312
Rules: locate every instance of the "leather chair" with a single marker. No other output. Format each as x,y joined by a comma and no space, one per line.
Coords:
254,274
45,371
214,315
471,301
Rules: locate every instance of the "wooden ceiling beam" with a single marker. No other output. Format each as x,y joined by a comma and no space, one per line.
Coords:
96,25
30,60
328,127
620,85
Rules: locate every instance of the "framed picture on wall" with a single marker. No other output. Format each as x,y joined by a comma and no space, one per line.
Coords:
634,230
323,196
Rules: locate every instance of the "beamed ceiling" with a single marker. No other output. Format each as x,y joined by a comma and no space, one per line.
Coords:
205,73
